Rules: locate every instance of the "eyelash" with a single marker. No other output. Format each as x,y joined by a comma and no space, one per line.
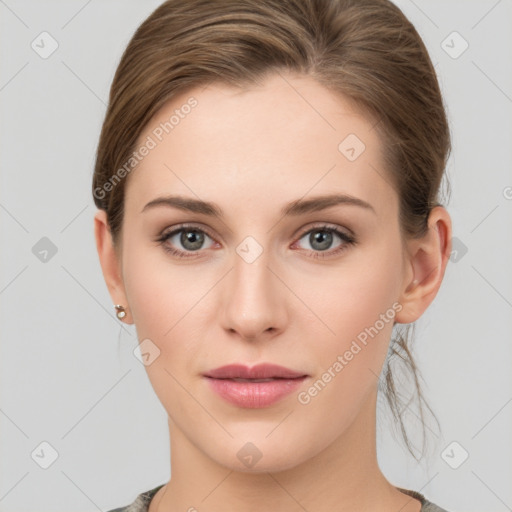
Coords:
347,239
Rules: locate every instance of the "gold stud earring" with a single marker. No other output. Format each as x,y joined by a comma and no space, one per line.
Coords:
120,311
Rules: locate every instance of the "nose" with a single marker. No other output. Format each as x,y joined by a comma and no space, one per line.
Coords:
254,305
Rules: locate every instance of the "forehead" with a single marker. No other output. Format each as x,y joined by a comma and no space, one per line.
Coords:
274,142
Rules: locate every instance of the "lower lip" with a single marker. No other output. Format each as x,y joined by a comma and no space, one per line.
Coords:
254,395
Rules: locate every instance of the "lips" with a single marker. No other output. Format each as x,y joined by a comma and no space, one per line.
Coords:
260,386
262,372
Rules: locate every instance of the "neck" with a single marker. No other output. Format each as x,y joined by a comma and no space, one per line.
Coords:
344,476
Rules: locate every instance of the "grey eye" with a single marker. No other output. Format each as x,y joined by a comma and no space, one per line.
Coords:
320,239
189,239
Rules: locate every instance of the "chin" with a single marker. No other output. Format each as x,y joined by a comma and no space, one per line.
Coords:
262,456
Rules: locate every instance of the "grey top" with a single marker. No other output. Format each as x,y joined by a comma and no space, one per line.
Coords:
141,503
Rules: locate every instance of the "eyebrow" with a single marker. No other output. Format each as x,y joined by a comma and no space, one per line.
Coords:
298,207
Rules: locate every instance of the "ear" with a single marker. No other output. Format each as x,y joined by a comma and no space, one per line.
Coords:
110,262
426,260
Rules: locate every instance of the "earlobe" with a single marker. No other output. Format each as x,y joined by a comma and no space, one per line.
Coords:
428,258
110,263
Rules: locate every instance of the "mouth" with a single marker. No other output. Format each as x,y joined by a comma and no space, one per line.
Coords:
257,387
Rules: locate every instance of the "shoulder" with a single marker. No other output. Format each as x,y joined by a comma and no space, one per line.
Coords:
141,503
426,505
431,507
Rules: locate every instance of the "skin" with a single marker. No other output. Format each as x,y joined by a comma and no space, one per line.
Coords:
251,151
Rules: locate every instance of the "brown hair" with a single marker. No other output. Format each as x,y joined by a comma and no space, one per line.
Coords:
365,50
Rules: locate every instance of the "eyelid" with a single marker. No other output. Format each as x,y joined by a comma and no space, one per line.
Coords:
327,226
167,232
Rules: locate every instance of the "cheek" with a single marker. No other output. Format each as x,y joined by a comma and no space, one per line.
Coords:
360,308
352,297
162,298
158,291
169,303
357,302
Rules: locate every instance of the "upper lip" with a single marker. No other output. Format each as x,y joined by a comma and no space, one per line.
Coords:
260,371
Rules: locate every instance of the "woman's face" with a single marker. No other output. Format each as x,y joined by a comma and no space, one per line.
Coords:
264,280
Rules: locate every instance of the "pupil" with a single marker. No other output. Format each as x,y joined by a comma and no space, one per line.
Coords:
192,240
323,238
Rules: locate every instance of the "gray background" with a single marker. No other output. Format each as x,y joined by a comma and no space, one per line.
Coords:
68,374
